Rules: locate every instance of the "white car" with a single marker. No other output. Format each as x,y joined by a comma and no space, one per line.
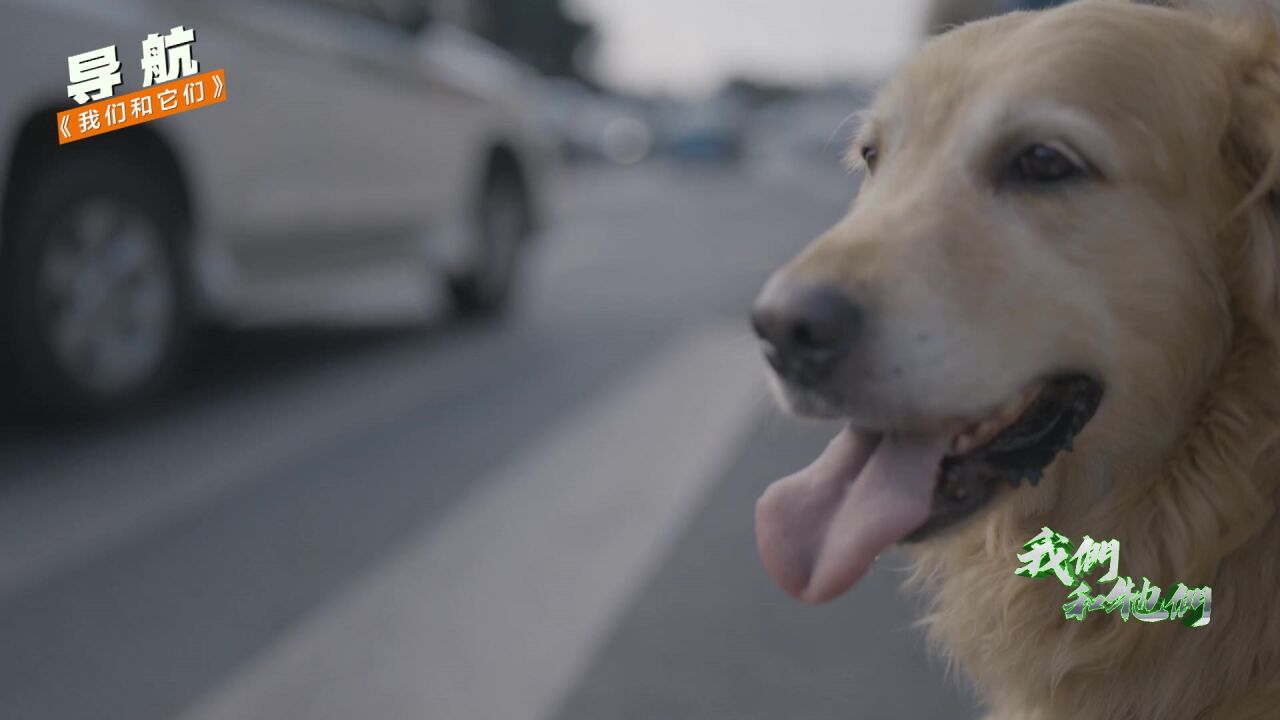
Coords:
365,158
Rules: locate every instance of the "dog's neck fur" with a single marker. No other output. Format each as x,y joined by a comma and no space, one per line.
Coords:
1182,516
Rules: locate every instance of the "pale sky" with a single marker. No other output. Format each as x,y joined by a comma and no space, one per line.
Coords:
692,45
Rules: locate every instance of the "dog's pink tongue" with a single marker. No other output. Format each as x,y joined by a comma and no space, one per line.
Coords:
820,530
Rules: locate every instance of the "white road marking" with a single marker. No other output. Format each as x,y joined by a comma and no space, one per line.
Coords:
497,610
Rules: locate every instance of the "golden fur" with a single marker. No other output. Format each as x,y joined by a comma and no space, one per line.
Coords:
1163,278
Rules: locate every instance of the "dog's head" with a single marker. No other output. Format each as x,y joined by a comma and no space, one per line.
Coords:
1063,216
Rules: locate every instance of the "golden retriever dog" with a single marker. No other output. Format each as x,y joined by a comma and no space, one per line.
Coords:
1054,302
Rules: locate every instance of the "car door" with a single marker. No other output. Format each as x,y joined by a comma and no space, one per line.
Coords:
432,120
319,156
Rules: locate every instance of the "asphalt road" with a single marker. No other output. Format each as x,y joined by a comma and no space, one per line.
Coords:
547,517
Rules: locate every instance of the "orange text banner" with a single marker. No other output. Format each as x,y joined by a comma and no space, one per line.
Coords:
145,105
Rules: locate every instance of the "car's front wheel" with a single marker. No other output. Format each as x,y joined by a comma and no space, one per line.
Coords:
97,311
503,223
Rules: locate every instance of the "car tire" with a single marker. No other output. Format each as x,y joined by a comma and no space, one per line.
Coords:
95,285
503,223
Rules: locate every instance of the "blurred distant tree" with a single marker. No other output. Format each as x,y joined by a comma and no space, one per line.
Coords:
537,31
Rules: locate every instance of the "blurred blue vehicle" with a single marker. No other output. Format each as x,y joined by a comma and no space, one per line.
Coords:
706,145
712,132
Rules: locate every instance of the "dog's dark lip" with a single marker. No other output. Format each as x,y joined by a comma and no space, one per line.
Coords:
1024,449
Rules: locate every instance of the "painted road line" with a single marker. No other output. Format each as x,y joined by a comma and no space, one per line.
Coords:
497,610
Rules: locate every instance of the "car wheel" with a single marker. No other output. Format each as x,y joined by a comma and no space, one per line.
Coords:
503,224
97,297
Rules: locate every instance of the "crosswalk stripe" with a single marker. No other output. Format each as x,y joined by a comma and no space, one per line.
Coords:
496,611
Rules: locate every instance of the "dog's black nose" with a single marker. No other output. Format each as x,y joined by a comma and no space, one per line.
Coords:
806,330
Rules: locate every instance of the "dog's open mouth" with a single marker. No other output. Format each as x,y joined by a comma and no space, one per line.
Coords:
820,530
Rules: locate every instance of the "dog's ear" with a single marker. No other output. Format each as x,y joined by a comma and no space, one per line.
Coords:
1252,150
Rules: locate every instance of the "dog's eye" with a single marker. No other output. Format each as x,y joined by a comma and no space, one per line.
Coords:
869,155
1044,164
